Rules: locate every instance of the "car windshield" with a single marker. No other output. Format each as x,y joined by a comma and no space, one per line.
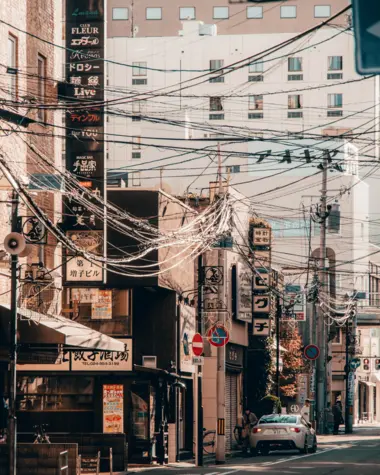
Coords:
278,419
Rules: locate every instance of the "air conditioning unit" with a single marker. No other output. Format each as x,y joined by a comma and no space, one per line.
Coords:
207,30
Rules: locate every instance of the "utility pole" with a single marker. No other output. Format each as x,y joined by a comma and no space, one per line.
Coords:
221,353
321,333
199,405
278,317
12,421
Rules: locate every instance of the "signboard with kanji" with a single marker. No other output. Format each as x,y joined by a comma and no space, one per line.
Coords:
261,326
244,293
261,303
85,39
261,281
261,237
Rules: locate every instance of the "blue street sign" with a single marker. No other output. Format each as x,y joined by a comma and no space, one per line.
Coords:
355,363
366,17
311,352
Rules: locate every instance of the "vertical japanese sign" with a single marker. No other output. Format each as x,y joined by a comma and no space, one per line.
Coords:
244,293
113,408
260,253
85,119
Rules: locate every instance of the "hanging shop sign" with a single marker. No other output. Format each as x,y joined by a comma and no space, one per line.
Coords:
244,293
187,332
261,281
218,335
261,237
261,260
212,275
85,40
78,269
261,303
261,326
113,408
33,230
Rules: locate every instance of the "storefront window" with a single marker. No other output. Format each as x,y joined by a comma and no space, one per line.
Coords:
140,412
106,310
55,393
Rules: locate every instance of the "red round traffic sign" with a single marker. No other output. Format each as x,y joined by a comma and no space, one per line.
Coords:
218,335
197,344
311,352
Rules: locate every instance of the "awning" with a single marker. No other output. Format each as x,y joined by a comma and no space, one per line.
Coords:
34,327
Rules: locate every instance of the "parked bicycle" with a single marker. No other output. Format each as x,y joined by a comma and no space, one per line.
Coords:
209,441
40,435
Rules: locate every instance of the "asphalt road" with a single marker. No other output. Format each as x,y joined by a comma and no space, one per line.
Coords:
340,455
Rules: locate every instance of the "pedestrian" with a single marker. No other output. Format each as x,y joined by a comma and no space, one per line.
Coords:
337,413
305,411
249,420
329,418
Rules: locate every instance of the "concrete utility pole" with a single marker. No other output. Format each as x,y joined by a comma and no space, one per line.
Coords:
321,333
12,421
221,354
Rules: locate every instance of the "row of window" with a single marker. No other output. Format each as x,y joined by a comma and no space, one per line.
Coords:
221,13
334,63
295,106
12,71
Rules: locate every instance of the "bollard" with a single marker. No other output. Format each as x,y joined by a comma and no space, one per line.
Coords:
111,461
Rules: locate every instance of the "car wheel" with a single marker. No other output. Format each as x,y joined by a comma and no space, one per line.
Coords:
264,451
305,449
314,449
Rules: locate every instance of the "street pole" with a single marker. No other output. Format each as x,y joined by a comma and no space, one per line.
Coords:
278,317
321,333
199,405
12,421
221,354
347,367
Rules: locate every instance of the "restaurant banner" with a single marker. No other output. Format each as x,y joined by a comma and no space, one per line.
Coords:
113,408
84,89
88,360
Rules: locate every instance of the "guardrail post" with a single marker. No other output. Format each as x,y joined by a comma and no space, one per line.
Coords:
79,464
111,461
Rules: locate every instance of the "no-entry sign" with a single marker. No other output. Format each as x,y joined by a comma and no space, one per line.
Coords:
197,344
311,352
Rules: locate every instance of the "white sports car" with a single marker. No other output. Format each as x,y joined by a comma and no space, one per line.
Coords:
282,432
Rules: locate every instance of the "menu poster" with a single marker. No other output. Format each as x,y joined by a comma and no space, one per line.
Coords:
113,408
102,309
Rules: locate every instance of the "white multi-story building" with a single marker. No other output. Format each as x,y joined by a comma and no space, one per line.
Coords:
289,103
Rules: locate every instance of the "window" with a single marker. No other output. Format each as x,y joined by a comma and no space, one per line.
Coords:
257,67
139,69
187,13
256,103
254,12
216,104
294,106
233,169
294,64
335,63
335,101
12,65
217,65
154,13
136,179
295,101
288,11
322,11
120,14
221,13
41,92
136,143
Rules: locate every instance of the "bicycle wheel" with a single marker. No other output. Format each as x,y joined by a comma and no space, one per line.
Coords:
209,442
